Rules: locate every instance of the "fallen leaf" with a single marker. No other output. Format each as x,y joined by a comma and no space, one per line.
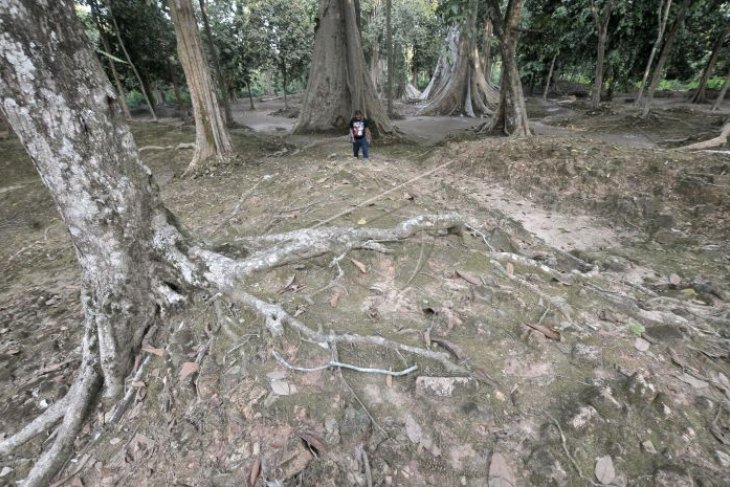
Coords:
510,268
362,221
187,369
605,472
641,345
427,338
337,293
389,380
548,332
314,442
154,351
469,277
255,471
413,430
138,384
500,475
454,349
361,267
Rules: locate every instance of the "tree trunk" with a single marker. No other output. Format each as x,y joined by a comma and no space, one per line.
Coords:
442,72
656,77
486,59
465,90
338,82
220,81
601,21
511,117
175,86
549,77
391,64
122,94
211,135
655,48
250,96
283,75
142,88
723,92
700,96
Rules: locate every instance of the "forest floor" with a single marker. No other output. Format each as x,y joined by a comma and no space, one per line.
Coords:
589,295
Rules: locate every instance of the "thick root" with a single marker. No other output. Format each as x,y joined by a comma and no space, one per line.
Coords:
718,141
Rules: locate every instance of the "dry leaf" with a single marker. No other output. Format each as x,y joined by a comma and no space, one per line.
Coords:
154,351
510,268
454,349
362,267
548,332
314,442
253,475
469,277
605,472
389,380
362,221
337,293
427,338
187,369
500,475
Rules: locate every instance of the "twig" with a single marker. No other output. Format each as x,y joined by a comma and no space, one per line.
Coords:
564,442
341,365
481,234
368,473
233,213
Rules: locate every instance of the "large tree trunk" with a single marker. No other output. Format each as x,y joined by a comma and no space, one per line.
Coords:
211,135
486,58
339,82
511,117
142,87
391,61
444,65
656,77
601,21
220,80
723,92
663,17
700,96
463,89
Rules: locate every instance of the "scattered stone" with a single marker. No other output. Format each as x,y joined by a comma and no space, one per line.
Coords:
641,345
500,474
545,469
282,387
332,434
648,447
664,333
639,389
589,353
584,418
672,476
674,279
605,473
661,405
723,458
413,430
445,386
693,381
5,472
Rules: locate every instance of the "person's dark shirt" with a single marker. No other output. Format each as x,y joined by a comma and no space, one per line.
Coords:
357,128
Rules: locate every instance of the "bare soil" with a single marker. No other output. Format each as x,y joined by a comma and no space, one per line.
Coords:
588,294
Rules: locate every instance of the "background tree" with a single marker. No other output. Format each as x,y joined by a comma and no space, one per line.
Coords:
223,92
211,135
339,82
601,19
721,34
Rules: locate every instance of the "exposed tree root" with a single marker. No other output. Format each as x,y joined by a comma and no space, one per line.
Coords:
40,424
718,141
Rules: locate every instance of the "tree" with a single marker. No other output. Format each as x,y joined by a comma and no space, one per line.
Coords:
137,263
658,73
389,44
700,96
211,135
223,94
723,92
339,82
663,15
511,117
601,21
458,85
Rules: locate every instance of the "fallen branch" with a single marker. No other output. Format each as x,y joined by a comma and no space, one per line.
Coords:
342,365
180,146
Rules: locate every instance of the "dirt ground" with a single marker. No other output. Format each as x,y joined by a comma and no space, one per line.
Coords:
587,296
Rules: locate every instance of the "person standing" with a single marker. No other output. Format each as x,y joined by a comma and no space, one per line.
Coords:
360,135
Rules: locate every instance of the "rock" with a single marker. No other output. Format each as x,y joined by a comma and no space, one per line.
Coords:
585,417
5,472
661,405
664,333
502,241
648,447
674,279
722,457
332,434
672,476
604,401
355,425
605,472
445,386
639,389
641,345
588,353
545,469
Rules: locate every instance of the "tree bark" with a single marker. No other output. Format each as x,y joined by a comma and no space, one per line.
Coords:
486,59
700,95
211,135
142,87
391,63
462,88
339,82
663,17
511,117
220,80
601,22
723,92
549,77
657,75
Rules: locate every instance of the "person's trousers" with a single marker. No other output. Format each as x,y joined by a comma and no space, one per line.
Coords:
357,144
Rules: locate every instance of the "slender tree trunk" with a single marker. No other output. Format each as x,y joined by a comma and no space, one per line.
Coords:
211,135
601,21
142,87
339,82
663,17
549,77
250,96
175,85
700,96
283,75
656,77
107,48
391,63
511,117
220,80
